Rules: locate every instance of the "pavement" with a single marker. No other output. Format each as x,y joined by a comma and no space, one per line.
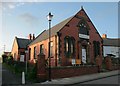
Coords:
83,78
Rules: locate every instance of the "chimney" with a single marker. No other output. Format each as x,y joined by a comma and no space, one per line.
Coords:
29,36
104,36
33,36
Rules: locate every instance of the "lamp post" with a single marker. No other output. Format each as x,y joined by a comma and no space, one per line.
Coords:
49,17
26,52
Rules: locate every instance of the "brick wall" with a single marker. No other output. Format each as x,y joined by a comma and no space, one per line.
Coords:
116,67
73,30
14,51
70,71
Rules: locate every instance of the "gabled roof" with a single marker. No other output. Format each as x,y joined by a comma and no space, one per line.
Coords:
45,34
111,42
23,43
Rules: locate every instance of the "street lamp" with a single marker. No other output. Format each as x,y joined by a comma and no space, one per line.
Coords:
49,17
26,52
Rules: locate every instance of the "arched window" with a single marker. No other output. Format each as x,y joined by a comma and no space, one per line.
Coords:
72,42
69,43
66,44
83,27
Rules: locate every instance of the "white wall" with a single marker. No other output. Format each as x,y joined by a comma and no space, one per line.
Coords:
111,50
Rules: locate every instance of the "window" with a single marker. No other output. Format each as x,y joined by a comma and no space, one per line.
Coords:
29,53
72,42
51,49
66,46
42,49
83,27
35,52
96,48
69,46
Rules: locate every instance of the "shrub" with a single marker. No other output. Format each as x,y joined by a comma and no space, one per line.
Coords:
32,71
4,57
10,60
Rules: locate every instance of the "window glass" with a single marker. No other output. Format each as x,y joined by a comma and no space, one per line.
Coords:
66,45
83,28
69,46
29,53
96,48
35,52
42,48
51,49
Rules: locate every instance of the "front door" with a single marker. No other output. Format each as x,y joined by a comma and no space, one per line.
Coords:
83,55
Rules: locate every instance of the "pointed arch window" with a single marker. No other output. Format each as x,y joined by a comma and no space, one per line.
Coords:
72,42
69,43
83,27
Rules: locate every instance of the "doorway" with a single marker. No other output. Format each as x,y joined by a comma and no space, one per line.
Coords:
84,58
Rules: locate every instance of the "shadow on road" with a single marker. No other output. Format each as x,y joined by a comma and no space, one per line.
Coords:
9,78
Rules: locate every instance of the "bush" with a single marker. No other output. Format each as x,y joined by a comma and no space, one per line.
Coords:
9,60
32,71
4,57
116,60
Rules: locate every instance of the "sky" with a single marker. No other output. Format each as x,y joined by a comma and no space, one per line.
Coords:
21,18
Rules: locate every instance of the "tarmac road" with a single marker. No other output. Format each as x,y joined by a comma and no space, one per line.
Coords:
8,78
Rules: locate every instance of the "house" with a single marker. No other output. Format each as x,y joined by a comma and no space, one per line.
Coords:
73,41
7,53
19,47
111,46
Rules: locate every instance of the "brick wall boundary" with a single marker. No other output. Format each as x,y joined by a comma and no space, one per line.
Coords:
71,71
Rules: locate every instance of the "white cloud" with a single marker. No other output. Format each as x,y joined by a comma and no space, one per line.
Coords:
29,19
11,6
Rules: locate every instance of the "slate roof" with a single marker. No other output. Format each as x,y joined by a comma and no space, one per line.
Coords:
23,43
45,34
111,42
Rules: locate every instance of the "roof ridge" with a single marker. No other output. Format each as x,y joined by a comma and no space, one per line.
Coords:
23,38
53,28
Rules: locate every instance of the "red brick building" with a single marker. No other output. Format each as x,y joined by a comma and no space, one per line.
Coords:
73,41
19,47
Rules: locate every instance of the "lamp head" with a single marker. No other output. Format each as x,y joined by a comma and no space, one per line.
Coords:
49,16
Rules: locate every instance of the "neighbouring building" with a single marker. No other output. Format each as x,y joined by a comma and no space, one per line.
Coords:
7,53
111,46
19,47
73,41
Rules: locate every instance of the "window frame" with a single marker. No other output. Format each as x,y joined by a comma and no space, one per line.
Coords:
35,53
96,45
42,49
29,53
67,49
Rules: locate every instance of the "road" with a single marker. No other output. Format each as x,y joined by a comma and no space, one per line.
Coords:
108,80
9,78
